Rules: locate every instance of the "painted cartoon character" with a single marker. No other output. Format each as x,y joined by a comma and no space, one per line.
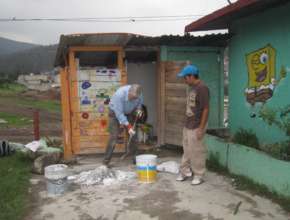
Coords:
261,74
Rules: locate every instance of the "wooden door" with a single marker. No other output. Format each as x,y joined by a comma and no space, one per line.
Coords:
173,92
90,87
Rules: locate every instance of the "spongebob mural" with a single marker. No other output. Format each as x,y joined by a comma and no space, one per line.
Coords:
261,75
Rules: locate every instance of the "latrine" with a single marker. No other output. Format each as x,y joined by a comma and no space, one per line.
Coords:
93,66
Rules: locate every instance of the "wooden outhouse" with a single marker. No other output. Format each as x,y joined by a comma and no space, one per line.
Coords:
93,66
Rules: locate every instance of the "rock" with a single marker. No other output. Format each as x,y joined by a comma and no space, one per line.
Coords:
45,160
2,121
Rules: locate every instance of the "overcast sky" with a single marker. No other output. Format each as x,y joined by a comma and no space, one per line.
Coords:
48,32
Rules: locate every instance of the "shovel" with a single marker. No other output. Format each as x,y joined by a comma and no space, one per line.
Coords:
129,142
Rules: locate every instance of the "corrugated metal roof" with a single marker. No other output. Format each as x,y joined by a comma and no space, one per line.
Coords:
221,18
118,39
127,40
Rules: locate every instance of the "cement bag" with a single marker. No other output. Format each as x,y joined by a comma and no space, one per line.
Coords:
169,167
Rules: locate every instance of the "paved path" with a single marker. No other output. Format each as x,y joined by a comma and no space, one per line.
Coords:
166,199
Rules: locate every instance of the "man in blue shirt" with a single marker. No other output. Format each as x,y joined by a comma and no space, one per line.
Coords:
126,100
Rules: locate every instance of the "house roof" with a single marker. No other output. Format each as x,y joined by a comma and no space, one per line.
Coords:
136,46
222,18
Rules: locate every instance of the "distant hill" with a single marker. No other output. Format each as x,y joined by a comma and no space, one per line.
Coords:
33,59
8,46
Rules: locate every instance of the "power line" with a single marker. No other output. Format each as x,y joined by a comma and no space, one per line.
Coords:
106,19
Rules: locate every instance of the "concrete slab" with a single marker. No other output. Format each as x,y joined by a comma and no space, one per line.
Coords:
166,199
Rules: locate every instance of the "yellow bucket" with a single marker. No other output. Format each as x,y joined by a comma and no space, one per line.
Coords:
146,168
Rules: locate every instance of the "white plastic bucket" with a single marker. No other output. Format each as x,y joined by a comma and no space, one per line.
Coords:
146,168
56,179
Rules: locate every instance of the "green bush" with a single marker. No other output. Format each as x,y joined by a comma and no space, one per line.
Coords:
8,89
247,138
279,150
280,118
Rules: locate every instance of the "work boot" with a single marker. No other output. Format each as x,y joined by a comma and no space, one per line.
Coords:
106,162
182,177
134,160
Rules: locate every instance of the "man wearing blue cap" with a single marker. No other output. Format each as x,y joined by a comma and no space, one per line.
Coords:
197,108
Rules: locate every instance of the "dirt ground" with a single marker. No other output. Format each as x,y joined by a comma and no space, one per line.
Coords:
166,199
50,122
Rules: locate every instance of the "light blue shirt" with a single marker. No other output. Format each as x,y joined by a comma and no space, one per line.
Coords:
121,105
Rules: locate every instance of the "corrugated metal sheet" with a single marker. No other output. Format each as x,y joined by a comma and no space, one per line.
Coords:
104,39
221,18
127,40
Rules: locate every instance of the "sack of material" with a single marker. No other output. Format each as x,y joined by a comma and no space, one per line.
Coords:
169,166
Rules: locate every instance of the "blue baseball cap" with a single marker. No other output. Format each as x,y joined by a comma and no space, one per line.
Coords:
189,70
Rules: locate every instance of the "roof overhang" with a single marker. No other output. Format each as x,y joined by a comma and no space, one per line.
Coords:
136,47
222,18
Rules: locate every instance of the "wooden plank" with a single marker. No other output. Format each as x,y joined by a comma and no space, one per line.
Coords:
74,86
91,75
174,129
175,140
181,86
180,108
171,77
88,132
92,150
162,102
175,100
98,150
176,90
158,98
73,92
172,69
174,119
75,103
66,117
93,120
95,144
91,92
121,66
94,48
174,65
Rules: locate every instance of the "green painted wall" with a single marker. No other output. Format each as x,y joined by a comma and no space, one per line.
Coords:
249,34
255,165
209,61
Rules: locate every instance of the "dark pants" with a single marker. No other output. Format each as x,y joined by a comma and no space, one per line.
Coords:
114,131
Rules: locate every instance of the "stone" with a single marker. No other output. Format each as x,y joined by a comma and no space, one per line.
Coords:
2,121
45,160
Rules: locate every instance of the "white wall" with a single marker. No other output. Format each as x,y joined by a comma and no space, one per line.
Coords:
145,75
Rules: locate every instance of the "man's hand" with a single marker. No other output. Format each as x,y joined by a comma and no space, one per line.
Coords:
131,130
199,133
139,113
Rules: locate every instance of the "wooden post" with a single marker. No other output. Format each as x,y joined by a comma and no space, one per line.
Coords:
161,139
66,117
36,125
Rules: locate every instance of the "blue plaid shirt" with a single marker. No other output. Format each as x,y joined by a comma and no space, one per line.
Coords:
121,105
